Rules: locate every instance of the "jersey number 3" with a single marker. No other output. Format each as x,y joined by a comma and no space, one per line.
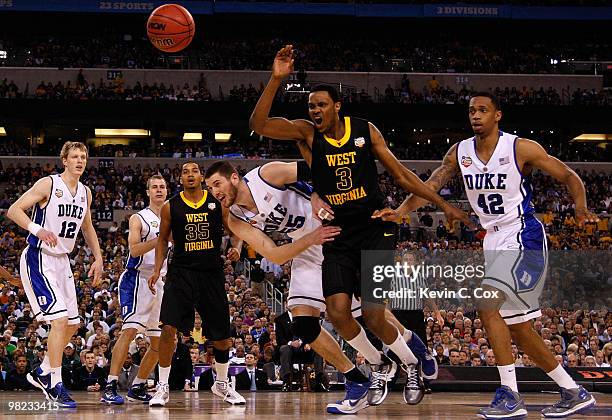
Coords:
346,183
491,204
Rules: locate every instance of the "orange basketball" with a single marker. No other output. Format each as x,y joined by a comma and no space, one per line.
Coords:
170,27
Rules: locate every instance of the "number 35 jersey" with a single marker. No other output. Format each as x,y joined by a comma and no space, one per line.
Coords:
498,192
197,230
62,215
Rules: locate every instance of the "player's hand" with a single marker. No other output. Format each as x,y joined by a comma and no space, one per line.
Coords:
320,209
324,234
96,272
307,347
152,281
233,255
283,63
439,319
387,214
47,237
584,215
453,213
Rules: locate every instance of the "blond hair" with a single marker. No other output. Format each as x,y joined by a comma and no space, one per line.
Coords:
156,176
70,145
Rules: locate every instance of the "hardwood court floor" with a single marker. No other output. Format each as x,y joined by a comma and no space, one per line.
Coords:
270,405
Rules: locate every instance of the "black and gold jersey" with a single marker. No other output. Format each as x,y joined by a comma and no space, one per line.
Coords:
197,230
344,171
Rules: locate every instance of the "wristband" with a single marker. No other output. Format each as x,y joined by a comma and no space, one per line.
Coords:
34,228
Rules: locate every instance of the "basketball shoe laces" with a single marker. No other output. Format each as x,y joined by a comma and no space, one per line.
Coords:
564,402
500,395
413,376
378,380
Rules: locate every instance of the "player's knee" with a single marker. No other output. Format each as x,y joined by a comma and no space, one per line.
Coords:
338,317
60,323
374,320
306,327
520,330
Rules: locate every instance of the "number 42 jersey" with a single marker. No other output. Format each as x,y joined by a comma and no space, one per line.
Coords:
497,190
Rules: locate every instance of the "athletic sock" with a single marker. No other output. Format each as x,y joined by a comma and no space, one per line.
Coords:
222,369
45,366
56,376
400,348
164,373
507,375
407,335
365,347
562,378
355,375
112,378
138,381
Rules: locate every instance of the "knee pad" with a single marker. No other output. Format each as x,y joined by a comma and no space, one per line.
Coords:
306,327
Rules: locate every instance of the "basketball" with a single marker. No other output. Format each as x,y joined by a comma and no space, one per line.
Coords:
170,28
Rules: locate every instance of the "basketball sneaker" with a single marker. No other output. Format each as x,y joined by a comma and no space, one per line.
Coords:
60,394
138,393
224,390
572,401
110,396
161,397
429,365
381,374
40,381
506,404
355,399
414,389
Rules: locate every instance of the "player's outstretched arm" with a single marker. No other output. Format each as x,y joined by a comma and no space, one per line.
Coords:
17,212
440,177
161,248
409,181
91,238
279,128
280,254
279,174
138,248
531,154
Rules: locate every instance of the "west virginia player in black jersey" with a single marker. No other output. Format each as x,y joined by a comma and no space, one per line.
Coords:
345,177
195,279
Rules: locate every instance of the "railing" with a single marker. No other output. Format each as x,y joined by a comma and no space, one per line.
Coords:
274,298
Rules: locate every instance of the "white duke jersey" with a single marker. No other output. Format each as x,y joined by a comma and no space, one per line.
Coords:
285,210
63,215
498,192
150,223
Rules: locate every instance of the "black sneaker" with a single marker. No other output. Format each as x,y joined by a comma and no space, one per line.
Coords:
138,393
110,396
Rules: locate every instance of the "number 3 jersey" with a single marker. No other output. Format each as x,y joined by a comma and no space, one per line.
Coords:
497,190
62,215
197,230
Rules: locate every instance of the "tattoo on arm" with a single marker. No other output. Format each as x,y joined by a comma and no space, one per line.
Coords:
444,173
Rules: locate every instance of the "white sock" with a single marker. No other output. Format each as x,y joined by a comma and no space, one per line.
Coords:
164,373
112,378
138,381
363,346
222,369
507,374
400,348
45,366
562,378
56,376
407,335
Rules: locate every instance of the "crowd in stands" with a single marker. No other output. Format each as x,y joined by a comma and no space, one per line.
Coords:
432,51
578,335
433,93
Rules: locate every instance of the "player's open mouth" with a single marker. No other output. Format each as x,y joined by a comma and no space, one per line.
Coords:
318,120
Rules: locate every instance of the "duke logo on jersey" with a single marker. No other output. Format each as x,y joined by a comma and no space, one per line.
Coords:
515,243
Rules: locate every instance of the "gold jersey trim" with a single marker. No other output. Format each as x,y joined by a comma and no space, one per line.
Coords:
347,135
191,203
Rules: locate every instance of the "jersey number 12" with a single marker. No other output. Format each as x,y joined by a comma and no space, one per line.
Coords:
68,230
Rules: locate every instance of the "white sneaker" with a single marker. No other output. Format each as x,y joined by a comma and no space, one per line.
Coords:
161,397
224,390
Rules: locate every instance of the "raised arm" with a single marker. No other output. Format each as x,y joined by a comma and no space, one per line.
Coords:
409,181
531,155
91,238
280,254
279,128
279,174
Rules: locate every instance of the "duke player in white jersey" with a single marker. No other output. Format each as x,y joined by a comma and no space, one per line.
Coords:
61,208
139,306
496,168
269,199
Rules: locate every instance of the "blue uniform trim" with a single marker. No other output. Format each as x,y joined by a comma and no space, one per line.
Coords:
301,188
128,292
39,282
530,267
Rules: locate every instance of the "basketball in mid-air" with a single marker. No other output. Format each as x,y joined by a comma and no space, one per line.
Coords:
170,28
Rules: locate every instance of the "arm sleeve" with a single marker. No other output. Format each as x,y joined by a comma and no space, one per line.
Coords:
303,171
